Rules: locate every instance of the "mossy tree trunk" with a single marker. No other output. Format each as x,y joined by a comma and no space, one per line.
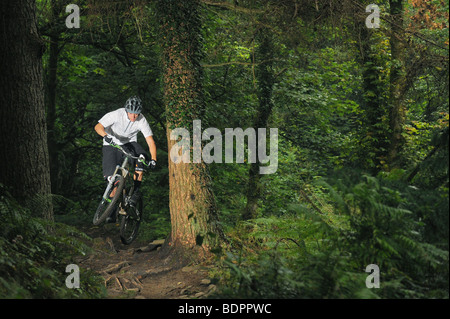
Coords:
265,81
374,139
192,204
397,90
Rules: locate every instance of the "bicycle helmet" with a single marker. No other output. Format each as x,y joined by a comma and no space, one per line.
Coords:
133,105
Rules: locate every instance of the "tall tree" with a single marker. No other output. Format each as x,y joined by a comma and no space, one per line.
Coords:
51,85
397,83
265,81
23,136
374,141
191,200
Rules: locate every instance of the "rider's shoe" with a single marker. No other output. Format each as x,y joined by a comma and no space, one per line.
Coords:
113,216
135,198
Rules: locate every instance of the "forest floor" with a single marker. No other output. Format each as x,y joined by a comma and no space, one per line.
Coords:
143,272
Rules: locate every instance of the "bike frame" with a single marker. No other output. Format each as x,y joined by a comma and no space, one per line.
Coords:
131,215
123,169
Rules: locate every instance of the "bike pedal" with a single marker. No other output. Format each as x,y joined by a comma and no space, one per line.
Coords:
122,212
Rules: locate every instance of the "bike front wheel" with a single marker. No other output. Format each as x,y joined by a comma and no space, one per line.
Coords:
107,205
130,222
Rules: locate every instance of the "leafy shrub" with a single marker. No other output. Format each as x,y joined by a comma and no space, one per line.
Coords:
305,255
386,230
34,254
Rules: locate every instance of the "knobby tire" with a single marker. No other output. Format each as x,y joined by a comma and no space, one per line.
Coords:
130,222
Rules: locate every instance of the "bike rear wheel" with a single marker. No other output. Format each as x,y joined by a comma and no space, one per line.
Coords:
106,206
130,222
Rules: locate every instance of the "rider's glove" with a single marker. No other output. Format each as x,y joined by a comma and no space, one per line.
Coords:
152,164
108,139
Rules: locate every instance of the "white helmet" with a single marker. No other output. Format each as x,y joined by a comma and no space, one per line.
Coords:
133,105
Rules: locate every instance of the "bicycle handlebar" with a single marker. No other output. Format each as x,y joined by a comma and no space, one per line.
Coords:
140,159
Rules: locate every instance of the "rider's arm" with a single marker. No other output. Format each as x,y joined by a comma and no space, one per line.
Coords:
100,129
151,146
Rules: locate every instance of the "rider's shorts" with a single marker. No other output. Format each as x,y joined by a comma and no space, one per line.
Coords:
113,157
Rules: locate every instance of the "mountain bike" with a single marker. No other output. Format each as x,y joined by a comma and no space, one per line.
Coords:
130,215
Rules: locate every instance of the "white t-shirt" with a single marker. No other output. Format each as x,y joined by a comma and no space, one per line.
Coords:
121,129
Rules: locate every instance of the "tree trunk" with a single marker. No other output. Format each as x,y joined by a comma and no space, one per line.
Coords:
397,85
23,138
374,142
51,83
191,200
265,82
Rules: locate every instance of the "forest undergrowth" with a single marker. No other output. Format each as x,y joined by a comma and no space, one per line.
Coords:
366,220
312,250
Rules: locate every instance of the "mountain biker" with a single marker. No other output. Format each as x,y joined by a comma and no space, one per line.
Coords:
121,127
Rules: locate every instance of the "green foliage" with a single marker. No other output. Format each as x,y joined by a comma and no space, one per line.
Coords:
303,255
388,229
34,254
330,103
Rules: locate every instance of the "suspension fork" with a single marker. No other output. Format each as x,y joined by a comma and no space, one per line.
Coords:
112,178
110,184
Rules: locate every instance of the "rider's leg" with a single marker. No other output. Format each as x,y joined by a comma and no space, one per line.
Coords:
137,150
137,177
111,158
138,174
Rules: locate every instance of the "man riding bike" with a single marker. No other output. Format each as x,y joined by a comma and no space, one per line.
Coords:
121,127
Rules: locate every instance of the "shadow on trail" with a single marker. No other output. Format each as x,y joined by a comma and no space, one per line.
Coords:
141,272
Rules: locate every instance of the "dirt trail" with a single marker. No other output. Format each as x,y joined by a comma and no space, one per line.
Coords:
143,272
